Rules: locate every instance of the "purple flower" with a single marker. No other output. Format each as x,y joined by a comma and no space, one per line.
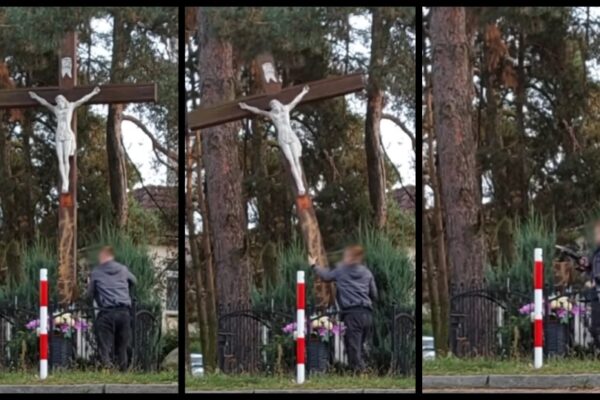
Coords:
322,331
33,324
338,329
578,310
290,328
527,309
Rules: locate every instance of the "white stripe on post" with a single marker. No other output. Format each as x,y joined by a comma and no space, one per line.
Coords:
43,323
538,295
300,327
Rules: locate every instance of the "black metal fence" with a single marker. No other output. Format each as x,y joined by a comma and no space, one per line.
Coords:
492,322
72,338
262,341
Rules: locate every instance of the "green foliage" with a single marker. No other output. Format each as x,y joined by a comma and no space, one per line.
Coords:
281,293
25,291
392,268
517,274
168,343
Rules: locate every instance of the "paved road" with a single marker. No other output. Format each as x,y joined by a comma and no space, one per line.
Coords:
89,388
492,383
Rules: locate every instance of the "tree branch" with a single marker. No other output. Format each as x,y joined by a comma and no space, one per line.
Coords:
402,126
155,143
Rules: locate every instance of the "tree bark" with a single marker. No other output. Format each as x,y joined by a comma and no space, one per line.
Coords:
195,254
117,161
375,158
207,272
227,219
441,279
452,93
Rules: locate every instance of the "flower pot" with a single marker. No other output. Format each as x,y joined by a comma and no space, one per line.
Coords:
318,355
556,336
61,351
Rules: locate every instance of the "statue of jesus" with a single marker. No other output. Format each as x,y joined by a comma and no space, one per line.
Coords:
288,141
64,136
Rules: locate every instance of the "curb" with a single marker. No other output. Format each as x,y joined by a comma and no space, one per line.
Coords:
307,391
585,381
89,388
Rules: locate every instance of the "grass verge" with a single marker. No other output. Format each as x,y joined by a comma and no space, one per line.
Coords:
89,377
250,382
486,366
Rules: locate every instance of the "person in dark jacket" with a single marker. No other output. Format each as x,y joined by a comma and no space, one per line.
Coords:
109,285
592,264
355,293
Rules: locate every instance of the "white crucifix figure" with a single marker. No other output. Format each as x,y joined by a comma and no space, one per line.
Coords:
288,141
64,135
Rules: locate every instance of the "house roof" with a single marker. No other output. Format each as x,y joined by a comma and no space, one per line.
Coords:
406,197
155,198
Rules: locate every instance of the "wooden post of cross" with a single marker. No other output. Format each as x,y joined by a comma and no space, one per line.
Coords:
272,88
67,86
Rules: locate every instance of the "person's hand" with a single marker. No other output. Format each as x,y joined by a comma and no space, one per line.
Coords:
312,260
96,90
32,95
243,106
584,262
305,89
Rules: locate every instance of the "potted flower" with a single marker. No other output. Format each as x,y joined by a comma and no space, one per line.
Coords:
64,328
560,313
321,331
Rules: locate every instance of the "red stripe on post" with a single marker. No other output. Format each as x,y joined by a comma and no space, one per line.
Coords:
300,296
300,351
43,346
538,275
538,336
43,293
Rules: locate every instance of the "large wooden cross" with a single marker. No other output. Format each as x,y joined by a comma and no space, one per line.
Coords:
67,86
272,88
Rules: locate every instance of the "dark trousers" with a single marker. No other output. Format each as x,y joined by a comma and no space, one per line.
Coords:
359,325
595,326
113,332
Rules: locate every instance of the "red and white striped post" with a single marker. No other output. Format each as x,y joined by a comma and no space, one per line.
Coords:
538,327
43,323
300,327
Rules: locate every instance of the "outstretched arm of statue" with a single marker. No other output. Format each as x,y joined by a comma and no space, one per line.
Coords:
298,98
254,110
88,96
41,101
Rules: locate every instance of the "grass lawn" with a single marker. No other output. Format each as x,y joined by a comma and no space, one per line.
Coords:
248,382
484,366
83,377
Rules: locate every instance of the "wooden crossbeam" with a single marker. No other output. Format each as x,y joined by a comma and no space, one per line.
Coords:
319,90
109,94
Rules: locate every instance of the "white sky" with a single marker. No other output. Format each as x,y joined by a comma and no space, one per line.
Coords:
396,142
137,144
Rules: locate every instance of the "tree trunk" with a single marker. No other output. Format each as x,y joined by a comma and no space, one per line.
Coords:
195,253
227,220
117,164
441,279
375,158
208,274
452,94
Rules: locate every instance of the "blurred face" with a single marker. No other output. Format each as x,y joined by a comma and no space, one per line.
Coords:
104,256
349,258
